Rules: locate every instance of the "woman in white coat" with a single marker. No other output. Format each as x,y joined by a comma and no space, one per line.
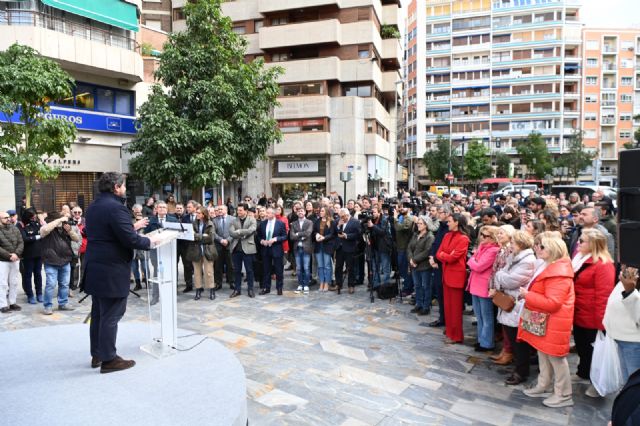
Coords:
517,273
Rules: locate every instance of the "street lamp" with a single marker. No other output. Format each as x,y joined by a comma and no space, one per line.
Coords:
345,177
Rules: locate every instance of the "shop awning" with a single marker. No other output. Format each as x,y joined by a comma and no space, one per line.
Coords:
113,12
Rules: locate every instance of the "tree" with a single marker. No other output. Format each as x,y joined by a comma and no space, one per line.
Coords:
477,162
534,154
577,158
636,133
214,120
502,164
437,161
28,82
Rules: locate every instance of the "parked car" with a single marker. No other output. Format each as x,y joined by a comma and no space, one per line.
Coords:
583,190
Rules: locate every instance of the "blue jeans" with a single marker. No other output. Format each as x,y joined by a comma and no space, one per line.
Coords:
422,283
381,264
483,308
403,269
629,353
325,267
303,267
57,275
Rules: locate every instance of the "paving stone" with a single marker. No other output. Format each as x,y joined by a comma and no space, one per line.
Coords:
336,348
374,380
488,413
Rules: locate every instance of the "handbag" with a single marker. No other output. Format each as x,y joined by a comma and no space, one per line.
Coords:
535,322
503,301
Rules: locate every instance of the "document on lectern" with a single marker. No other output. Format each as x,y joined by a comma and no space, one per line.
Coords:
185,230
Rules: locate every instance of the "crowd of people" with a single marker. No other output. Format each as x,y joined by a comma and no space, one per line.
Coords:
535,271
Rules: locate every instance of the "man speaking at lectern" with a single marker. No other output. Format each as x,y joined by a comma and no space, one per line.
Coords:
111,239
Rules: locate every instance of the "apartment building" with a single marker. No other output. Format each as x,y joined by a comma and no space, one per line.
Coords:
494,71
611,83
338,93
97,44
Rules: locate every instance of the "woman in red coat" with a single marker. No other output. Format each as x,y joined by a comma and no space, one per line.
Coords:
594,279
282,218
550,295
453,255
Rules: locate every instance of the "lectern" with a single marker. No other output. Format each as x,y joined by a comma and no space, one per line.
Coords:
165,277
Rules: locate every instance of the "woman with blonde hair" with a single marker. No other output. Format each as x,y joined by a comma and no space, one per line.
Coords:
202,253
517,273
595,275
547,318
481,266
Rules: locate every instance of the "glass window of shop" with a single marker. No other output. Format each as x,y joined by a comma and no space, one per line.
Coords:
291,192
97,98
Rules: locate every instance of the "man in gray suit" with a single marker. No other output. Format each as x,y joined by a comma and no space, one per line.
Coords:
300,236
243,248
223,239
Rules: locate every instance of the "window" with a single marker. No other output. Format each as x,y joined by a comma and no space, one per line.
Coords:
626,98
626,81
591,99
105,100
592,62
84,96
363,90
363,53
178,14
589,134
307,125
279,21
625,117
257,24
590,116
593,45
624,134
301,89
123,103
280,57
626,63
592,81
627,45
154,24
239,29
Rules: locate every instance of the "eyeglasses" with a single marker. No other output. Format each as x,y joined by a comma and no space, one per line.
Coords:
485,235
582,240
540,246
77,212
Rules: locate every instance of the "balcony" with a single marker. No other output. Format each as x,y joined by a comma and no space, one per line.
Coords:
391,15
82,48
480,47
608,121
237,10
391,52
609,68
298,107
270,6
303,144
609,49
306,33
309,70
375,145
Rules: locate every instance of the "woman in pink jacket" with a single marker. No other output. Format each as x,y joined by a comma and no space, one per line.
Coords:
481,266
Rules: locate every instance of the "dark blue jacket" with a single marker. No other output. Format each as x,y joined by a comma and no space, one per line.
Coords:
279,232
111,240
354,235
330,236
442,231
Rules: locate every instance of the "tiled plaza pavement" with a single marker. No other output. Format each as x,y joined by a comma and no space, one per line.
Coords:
324,359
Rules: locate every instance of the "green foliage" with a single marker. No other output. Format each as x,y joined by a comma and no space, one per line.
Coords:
436,161
215,118
577,158
636,134
146,49
629,145
389,31
477,162
534,154
28,82
502,164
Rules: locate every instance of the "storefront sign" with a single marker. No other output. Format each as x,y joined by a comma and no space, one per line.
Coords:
297,166
87,120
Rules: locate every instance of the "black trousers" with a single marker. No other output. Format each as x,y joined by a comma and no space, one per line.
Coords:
276,263
224,259
521,352
106,312
32,267
240,258
187,265
584,338
436,287
343,258
258,272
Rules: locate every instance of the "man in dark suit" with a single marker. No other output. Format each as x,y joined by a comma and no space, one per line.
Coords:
155,223
223,239
185,218
349,233
272,234
111,239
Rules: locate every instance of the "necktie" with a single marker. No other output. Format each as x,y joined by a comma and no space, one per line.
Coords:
269,230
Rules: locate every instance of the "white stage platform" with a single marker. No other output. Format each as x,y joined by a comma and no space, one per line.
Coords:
47,379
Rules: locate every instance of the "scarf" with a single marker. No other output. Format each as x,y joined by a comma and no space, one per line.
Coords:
578,260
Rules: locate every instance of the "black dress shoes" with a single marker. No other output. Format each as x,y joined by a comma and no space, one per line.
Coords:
188,288
264,291
212,294
279,292
251,294
198,294
515,379
234,294
423,312
436,323
95,362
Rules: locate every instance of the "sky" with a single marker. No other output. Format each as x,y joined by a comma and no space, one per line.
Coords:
611,13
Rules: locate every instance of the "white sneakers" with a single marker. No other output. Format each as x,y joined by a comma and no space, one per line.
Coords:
555,401
592,392
306,290
301,289
537,392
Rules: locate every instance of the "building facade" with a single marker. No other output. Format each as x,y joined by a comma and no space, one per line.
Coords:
611,85
338,94
493,71
98,47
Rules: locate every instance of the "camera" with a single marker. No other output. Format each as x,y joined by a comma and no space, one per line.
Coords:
72,222
365,216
